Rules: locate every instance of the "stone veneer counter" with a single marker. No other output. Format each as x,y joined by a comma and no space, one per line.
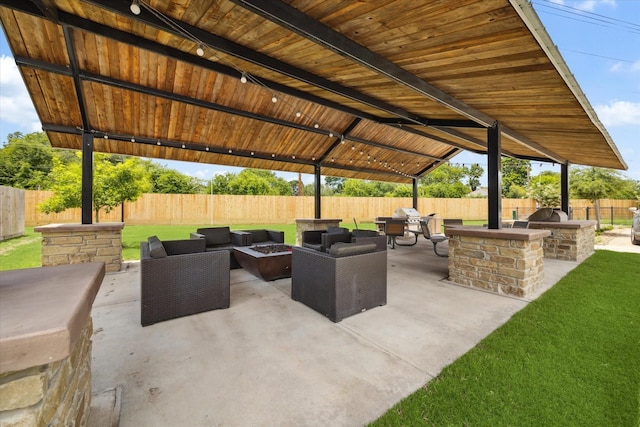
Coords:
508,261
45,343
569,240
78,243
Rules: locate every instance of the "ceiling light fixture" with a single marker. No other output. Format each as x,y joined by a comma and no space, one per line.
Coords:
200,50
274,99
135,7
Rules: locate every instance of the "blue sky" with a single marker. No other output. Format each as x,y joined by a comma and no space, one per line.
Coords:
599,41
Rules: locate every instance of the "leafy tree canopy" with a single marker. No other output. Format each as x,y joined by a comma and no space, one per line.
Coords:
251,181
169,181
115,180
514,172
445,181
26,161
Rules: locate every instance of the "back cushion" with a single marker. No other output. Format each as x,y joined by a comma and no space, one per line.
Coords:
156,249
347,249
259,236
216,235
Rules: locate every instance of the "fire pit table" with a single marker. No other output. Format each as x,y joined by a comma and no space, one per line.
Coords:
268,262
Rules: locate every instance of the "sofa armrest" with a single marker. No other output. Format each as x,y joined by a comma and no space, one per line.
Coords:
276,236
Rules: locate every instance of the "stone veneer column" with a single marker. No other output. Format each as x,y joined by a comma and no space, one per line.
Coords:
79,243
505,261
569,240
304,224
45,345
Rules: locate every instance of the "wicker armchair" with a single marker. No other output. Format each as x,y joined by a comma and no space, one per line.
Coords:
181,279
350,279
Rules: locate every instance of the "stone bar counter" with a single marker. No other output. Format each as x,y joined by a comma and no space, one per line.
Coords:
77,243
569,240
45,344
506,261
304,224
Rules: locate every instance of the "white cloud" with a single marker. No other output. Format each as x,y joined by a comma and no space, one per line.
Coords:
17,112
633,67
619,113
590,5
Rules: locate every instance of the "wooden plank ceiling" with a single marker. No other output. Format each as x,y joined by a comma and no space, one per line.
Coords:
385,90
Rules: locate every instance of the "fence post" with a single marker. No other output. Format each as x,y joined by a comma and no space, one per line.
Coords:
611,209
587,212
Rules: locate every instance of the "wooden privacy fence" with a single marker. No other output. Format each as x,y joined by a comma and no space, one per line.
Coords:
12,209
201,209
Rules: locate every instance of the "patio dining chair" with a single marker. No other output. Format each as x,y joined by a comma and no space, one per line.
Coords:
393,228
435,238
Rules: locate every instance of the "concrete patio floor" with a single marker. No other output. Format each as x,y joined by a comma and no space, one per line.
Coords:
272,361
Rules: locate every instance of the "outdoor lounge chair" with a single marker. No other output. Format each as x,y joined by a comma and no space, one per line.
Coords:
179,278
435,238
351,278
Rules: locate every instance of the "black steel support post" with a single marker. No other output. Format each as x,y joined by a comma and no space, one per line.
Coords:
317,196
415,193
564,187
87,178
494,174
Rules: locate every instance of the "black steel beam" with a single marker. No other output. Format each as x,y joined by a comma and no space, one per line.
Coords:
294,20
317,196
205,148
73,65
48,8
415,193
564,187
340,139
494,174
87,178
436,122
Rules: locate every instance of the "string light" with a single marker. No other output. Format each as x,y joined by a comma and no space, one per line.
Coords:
135,7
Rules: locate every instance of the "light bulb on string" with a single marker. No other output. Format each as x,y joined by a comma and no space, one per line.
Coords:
243,78
135,7
274,99
200,50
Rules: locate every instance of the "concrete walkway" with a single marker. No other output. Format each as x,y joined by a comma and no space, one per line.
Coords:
272,361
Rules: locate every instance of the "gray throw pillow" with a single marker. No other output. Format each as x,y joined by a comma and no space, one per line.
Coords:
347,249
156,249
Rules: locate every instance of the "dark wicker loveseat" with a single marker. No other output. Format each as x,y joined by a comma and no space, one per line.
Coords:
351,278
179,278
221,239
263,237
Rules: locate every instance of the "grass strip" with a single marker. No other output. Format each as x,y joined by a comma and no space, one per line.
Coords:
570,358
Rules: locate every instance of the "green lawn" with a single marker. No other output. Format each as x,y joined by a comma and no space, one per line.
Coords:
570,358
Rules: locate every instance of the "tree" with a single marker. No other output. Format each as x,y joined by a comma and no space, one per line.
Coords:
445,181
113,184
169,181
335,184
258,182
514,172
26,161
545,189
473,172
593,184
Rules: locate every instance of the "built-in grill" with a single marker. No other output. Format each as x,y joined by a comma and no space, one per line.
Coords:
548,215
411,215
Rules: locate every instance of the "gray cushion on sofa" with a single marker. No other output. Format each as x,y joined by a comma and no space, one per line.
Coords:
216,235
156,249
347,249
259,236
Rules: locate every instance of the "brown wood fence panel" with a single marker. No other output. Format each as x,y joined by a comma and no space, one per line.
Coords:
203,209
12,209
